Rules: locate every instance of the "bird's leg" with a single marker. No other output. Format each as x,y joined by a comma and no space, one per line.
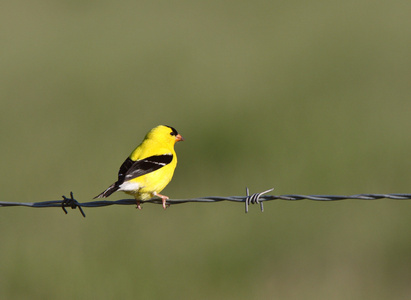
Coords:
138,203
163,199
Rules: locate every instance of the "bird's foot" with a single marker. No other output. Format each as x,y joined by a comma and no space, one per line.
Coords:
164,200
138,204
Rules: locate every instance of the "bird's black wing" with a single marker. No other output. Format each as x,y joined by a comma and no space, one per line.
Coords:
131,169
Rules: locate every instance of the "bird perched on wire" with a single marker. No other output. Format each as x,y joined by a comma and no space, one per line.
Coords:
149,168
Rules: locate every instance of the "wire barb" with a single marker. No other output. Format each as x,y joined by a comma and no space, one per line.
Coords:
255,198
71,202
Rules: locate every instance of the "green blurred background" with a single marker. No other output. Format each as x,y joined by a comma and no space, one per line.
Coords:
307,97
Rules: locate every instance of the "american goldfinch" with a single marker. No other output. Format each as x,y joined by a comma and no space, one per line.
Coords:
149,168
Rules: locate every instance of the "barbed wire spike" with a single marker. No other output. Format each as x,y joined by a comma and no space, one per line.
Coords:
71,202
255,198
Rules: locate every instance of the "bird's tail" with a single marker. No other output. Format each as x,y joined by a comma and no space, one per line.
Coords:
111,189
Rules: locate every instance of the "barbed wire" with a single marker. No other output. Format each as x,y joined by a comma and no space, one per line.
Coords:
256,198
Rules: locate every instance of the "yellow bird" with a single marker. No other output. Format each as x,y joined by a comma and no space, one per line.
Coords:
149,168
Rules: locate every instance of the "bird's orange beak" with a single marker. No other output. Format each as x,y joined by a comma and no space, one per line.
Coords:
179,138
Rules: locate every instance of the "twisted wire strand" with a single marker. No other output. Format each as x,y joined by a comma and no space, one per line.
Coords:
257,198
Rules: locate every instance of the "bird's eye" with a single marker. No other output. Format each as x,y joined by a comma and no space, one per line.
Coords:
173,131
